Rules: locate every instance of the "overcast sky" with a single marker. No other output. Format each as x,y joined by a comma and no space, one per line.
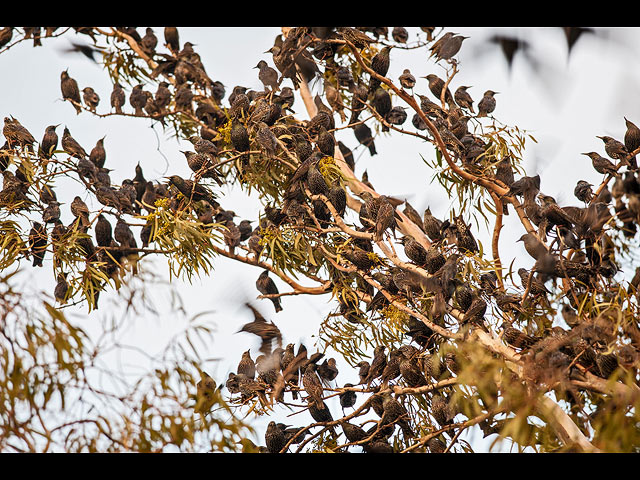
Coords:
564,102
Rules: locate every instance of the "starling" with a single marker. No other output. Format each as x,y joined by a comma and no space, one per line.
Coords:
267,75
274,438
413,215
533,245
364,137
123,235
49,142
614,148
394,412
488,104
410,370
338,198
407,80
117,98
554,214
62,288
326,142
103,231
38,243
327,370
378,364
172,39
358,101
537,287
516,338
98,154
437,45
184,98
313,387
441,411
347,398
400,34
247,366
267,331
70,91
267,140
432,226
414,251
379,64
381,103
266,286
240,137
162,97
363,371
206,390
632,140
436,85
392,368
583,191
356,37
70,146
149,42
17,135
91,98
353,432
450,47
601,164
527,187
193,191
385,218
138,100
462,98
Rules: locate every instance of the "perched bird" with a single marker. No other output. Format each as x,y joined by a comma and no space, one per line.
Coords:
71,146
313,386
37,243
487,104
347,398
49,142
449,47
358,38
17,135
432,226
172,39
436,85
533,245
98,154
104,232
378,364
117,98
614,148
70,91
267,75
583,191
91,98
327,370
407,80
138,100
149,42
274,438
123,234
205,393
247,366
601,164
632,140
364,137
266,286
395,413
462,98
379,64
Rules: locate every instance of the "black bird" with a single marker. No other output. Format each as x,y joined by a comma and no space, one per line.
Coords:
450,47
149,42
49,142
172,39
381,103
193,191
327,370
462,98
91,98
117,98
347,398
436,85
313,386
72,147
98,154
632,140
378,364
583,191
38,243
266,286
138,100
104,232
407,80
267,75
488,104
70,91
364,137
267,331
274,438
601,164
358,101
379,64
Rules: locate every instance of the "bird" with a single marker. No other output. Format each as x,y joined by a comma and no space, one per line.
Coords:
172,39
138,100
266,286
17,135
313,386
601,164
614,148
632,140
407,80
267,75
364,137
487,104
377,364
348,397
206,390
267,331
117,98
274,438
450,47
327,370
379,64
149,42
436,86
70,91
462,98
98,154
91,98
71,146
49,142
247,366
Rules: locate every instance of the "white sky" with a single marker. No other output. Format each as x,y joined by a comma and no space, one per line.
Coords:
581,97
